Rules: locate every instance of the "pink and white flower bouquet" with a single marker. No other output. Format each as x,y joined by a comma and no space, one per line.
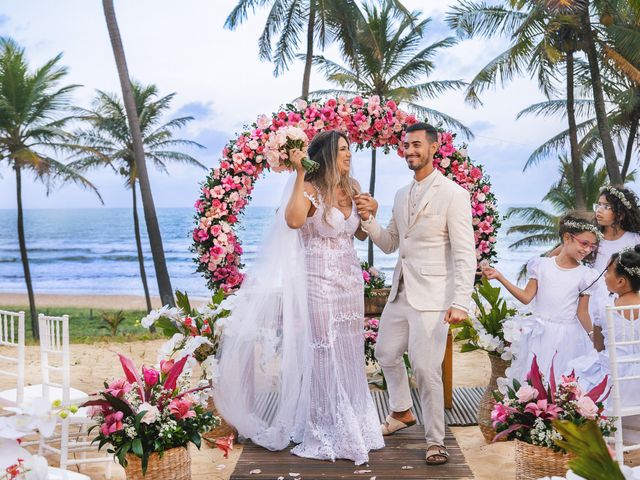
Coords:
371,325
279,145
149,411
526,412
373,279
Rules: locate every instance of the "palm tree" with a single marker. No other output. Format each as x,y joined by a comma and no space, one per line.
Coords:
33,118
390,63
151,219
623,117
541,40
325,21
111,145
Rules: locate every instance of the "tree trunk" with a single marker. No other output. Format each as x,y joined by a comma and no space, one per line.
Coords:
576,157
604,129
306,78
25,259
372,191
633,132
153,229
136,228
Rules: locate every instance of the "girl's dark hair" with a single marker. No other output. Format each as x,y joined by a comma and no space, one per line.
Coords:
573,223
626,260
627,218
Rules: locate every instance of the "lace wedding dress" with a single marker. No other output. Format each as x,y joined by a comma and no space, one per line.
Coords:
291,361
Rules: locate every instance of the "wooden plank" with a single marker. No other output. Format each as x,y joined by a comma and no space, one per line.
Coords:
404,449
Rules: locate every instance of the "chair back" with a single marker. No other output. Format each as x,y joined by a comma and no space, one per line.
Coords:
12,337
54,355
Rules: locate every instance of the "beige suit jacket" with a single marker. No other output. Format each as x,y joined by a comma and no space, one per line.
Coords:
437,256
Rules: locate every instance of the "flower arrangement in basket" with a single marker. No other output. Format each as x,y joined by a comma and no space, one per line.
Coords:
149,412
370,338
193,332
373,279
526,412
491,328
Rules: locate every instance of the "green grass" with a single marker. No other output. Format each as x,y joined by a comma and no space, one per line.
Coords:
85,324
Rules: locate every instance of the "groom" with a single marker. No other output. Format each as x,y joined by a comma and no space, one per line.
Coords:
432,284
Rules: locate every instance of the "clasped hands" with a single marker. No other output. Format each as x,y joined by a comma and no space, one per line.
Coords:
367,205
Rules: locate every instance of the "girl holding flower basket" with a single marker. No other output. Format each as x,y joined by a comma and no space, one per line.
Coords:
297,326
560,326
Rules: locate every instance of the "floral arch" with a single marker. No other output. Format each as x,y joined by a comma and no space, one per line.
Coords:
369,123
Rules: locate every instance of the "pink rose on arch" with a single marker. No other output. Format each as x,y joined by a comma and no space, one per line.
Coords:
357,102
476,173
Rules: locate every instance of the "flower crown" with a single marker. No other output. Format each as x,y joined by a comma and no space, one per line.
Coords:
633,271
619,195
584,227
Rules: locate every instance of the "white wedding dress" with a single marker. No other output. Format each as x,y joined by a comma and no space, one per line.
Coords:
295,338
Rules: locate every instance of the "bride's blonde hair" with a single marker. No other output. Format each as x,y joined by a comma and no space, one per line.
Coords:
324,150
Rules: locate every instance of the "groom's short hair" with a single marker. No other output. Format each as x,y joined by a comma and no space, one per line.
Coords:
429,130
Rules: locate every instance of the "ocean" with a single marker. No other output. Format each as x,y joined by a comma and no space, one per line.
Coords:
92,251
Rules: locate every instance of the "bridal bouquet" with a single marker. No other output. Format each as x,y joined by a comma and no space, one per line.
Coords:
279,145
527,412
194,332
491,328
149,411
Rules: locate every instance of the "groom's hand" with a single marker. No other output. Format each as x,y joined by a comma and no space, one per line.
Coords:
366,205
455,315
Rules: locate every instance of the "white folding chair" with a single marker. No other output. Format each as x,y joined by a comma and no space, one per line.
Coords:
55,361
12,337
623,348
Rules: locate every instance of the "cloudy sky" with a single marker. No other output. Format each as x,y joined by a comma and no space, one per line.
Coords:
182,47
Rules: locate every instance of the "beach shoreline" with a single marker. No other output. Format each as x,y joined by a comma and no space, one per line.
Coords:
119,302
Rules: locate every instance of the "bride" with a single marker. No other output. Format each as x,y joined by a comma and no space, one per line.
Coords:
291,361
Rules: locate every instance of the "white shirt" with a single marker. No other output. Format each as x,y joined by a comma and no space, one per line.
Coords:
418,190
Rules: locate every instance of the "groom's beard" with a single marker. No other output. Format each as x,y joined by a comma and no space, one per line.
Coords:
415,163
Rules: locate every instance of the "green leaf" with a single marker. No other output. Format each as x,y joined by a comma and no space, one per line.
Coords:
195,438
145,461
468,347
167,326
136,447
182,301
138,419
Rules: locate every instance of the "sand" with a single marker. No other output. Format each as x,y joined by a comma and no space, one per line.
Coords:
92,364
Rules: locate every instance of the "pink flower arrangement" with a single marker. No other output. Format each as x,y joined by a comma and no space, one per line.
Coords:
148,411
373,279
370,338
369,123
527,412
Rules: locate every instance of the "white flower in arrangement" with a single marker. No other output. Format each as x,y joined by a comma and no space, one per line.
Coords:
210,368
300,104
170,346
503,384
445,162
152,413
511,330
463,152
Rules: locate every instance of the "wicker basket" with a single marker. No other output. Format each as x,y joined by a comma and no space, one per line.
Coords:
498,367
534,462
175,464
223,429
374,304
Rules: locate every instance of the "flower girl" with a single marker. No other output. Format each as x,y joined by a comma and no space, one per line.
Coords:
622,279
560,328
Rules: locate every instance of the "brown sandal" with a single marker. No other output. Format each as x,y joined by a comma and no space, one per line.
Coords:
437,455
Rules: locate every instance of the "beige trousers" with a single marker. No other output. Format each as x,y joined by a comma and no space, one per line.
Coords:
424,336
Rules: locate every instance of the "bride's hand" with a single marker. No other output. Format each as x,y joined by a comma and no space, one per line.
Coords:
295,157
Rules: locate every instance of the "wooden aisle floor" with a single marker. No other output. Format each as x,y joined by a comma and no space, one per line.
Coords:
402,458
